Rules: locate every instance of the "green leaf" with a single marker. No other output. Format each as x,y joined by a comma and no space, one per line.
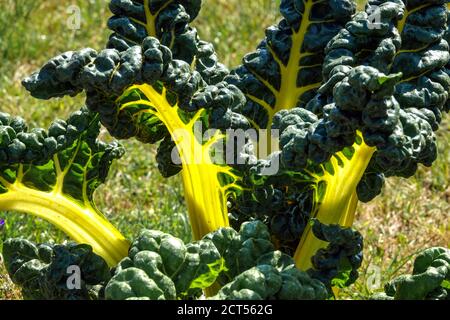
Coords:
286,70
245,263
336,265
54,174
160,266
43,271
169,22
429,280
445,284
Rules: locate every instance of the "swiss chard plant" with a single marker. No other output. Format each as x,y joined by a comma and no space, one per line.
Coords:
355,97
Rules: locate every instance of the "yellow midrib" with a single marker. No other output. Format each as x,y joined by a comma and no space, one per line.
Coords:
289,93
402,22
61,174
82,224
150,24
205,197
401,26
339,203
150,20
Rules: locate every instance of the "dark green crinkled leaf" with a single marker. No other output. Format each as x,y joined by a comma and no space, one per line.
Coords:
274,277
337,265
285,70
240,251
162,267
408,41
20,145
168,21
428,281
67,156
42,271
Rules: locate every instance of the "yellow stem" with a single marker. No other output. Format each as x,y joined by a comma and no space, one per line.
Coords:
83,224
205,197
205,201
285,99
402,23
339,203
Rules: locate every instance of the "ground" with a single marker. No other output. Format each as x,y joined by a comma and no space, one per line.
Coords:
409,215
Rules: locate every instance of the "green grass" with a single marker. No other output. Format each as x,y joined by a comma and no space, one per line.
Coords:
411,214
